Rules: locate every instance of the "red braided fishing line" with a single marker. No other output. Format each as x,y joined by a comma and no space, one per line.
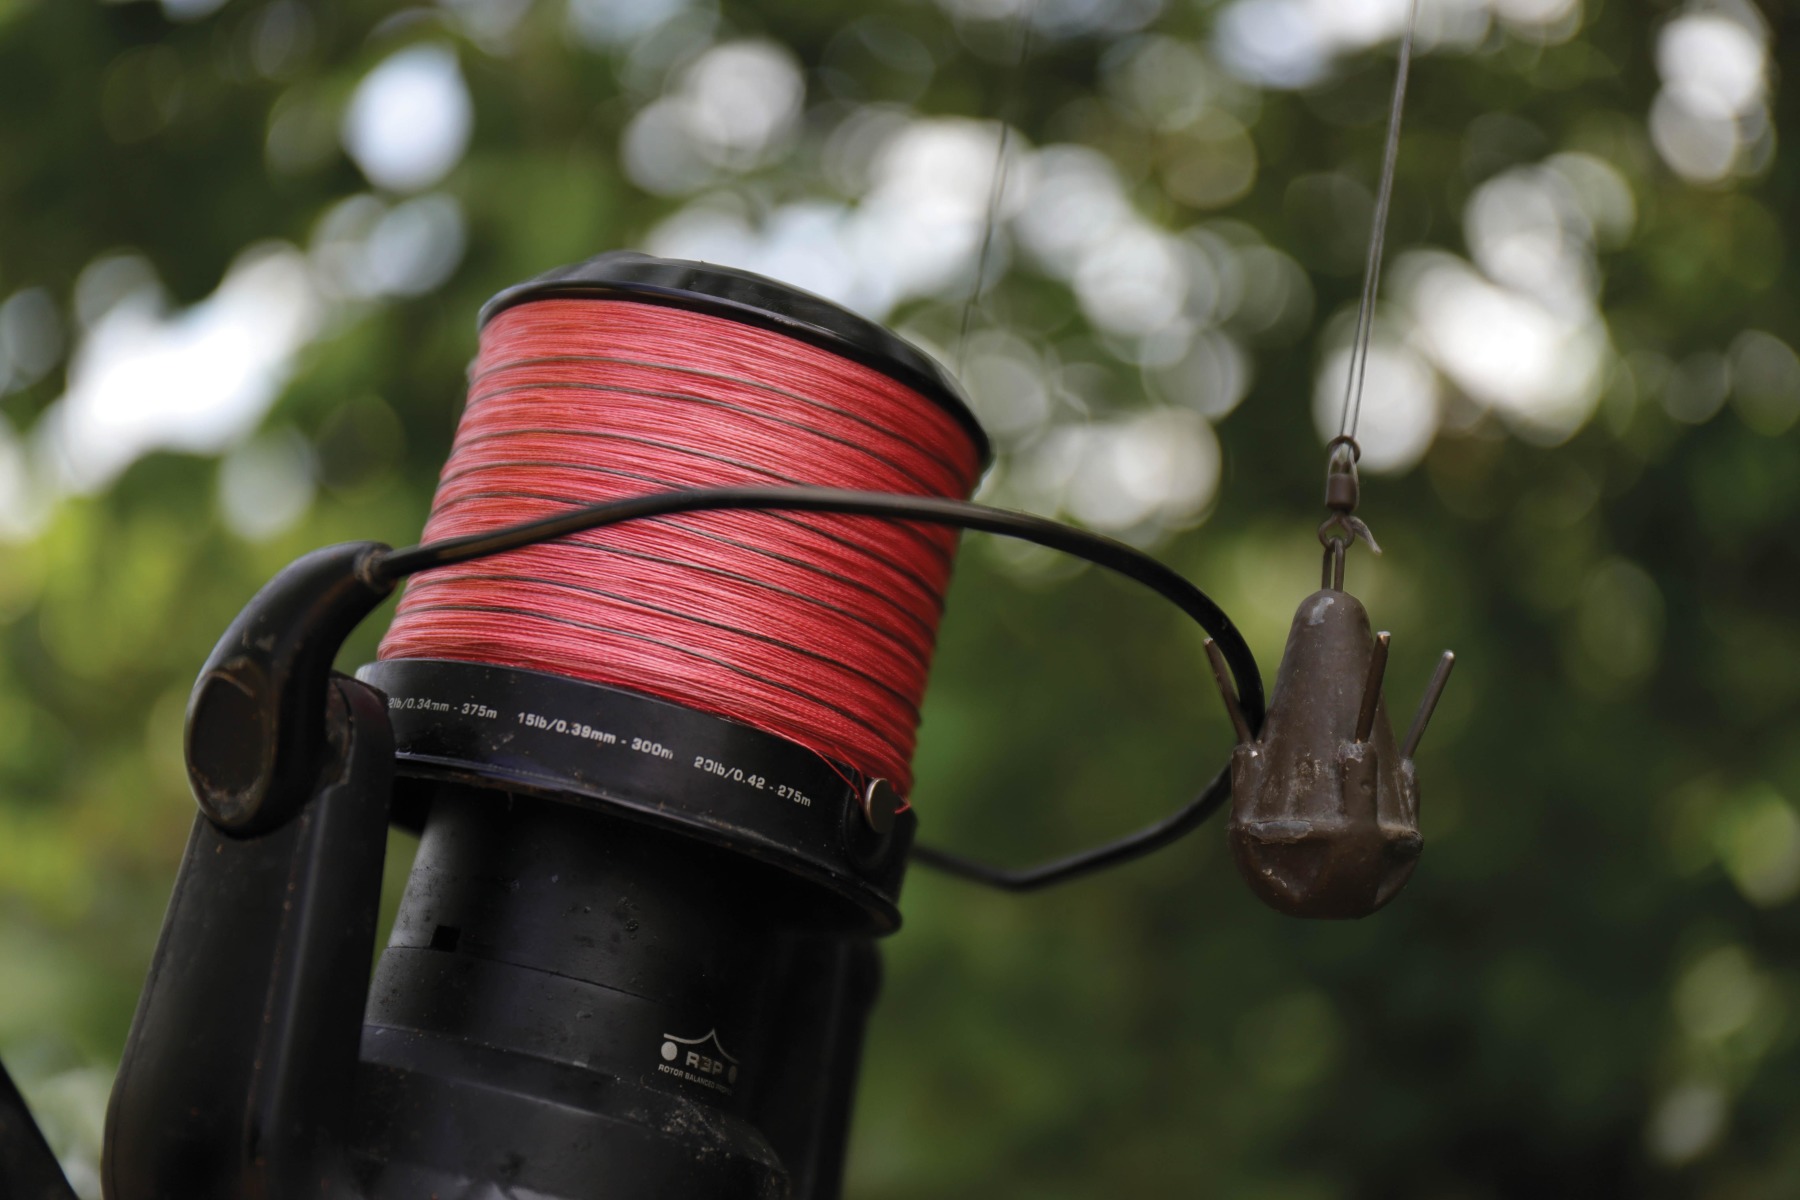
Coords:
814,627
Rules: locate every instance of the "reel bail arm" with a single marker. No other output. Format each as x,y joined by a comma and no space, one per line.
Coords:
259,729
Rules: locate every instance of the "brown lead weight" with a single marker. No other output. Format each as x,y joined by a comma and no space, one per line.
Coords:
1325,805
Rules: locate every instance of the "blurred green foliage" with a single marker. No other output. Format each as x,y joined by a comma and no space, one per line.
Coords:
1589,988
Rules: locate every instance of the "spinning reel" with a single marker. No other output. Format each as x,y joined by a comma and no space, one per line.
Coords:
618,970
649,703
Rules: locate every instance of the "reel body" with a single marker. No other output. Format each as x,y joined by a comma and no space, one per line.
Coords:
600,983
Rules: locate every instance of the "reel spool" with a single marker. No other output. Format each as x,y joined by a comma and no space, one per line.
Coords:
619,847
745,678
635,956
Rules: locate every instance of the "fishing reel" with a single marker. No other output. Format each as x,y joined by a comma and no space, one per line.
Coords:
660,777
636,953
635,956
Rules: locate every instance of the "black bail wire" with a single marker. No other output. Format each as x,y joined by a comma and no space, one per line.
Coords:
1343,491
386,568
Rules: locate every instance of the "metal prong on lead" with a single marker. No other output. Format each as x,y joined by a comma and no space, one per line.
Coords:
1222,674
1371,697
1428,703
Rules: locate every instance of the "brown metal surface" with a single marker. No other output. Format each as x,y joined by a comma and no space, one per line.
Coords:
1324,824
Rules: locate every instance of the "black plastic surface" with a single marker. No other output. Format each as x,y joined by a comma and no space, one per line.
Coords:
653,761
750,299
618,975
580,1007
237,1075
256,737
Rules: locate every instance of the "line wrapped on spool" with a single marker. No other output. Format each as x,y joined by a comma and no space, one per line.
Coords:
813,627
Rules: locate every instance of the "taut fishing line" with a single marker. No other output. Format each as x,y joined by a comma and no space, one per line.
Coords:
1022,38
1365,308
816,628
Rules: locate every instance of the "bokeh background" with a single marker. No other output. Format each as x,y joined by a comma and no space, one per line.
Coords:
242,245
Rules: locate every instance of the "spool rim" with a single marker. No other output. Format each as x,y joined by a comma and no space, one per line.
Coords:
464,732
750,299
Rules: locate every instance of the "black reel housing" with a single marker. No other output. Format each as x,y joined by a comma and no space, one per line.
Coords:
635,955
655,923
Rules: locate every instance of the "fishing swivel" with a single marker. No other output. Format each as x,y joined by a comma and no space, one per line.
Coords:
1342,527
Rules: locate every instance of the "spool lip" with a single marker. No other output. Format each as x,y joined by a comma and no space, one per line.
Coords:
642,758
749,299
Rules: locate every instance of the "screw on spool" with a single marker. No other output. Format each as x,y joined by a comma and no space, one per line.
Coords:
880,804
